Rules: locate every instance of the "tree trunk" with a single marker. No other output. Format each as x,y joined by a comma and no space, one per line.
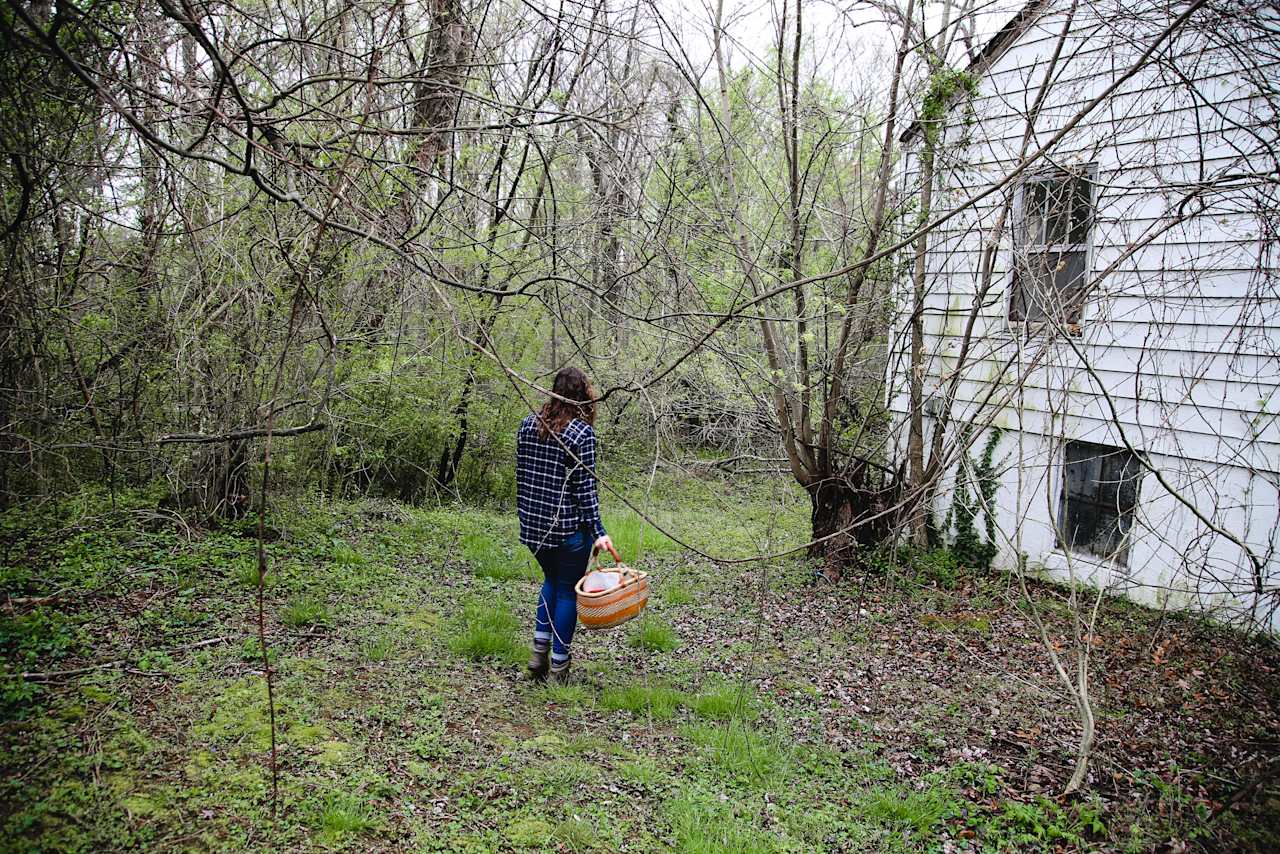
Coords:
849,517
832,512
918,509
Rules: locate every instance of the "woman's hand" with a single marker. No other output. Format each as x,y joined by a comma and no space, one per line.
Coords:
606,544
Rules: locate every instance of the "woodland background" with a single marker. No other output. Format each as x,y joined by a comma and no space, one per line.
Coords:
280,279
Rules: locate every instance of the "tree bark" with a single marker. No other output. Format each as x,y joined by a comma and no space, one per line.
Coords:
849,516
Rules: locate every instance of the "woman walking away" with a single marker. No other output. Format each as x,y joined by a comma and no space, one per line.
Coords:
559,511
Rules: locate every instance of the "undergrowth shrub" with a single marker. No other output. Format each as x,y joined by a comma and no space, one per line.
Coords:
26,642
1044,824
936,566
973,495
389,439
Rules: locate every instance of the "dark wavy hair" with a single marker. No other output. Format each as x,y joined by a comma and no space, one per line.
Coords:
579,402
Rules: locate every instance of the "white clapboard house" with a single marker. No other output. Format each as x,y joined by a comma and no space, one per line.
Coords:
1113,308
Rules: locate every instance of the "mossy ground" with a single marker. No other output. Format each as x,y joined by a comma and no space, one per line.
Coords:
755,709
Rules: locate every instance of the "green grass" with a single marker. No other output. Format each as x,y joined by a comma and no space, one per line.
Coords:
747,754
675,593
724,701
561,778
343,555
487,632
702,825
345,815
305,610
529,832
246,573
905,810
655,701
635,539
381,647
489,559
575,835
653,635
628,758
573,695
643,772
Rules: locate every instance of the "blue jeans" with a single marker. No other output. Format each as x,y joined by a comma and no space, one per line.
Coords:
557,614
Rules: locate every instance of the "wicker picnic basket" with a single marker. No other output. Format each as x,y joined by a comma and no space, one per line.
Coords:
613,606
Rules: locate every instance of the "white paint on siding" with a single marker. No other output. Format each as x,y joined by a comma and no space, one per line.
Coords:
1179,348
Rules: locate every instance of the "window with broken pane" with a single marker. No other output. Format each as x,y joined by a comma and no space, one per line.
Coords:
1099,493
1051,247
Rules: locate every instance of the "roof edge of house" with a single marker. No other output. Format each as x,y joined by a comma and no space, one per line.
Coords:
993,50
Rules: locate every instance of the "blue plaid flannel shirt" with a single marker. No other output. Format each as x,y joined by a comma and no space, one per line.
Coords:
556,496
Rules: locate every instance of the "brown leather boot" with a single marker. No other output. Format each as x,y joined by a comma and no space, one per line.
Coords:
560,671
539,661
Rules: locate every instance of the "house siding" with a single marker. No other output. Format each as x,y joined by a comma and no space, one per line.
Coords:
1178,352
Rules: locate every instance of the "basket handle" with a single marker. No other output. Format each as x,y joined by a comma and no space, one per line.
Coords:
599,556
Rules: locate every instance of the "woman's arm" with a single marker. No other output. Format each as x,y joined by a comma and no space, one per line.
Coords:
585,493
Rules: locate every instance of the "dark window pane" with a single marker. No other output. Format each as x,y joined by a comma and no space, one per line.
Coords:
1048,286
1068,285
1129,476
1108,538
1059,195
1083,473
1034,208
1099,494
1081,211
1057,210
1030,287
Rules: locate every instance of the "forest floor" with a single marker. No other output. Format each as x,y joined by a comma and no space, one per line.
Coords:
753,708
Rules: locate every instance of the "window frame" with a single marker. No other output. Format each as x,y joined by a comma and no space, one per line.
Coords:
1132,461
1020,247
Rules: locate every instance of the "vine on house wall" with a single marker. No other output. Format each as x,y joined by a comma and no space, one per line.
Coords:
946,86
974,494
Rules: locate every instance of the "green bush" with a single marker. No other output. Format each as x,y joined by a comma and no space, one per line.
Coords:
389,439
41,634
1045,824
939,566
974,495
